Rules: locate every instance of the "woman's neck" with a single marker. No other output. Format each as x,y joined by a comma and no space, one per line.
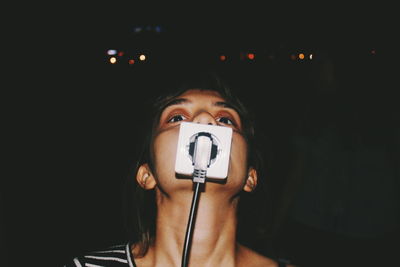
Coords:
214,236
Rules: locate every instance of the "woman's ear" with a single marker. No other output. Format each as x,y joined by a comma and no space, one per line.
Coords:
251,181
145,178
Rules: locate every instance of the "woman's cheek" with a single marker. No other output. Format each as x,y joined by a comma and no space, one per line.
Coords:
238,165
164,149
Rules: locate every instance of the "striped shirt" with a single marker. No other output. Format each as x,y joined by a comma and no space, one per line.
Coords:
115,256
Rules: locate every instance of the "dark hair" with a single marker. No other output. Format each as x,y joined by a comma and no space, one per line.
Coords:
140,205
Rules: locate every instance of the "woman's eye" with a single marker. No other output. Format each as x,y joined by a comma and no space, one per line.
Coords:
225,120
176,118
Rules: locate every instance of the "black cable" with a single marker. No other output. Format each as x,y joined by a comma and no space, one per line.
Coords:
190,225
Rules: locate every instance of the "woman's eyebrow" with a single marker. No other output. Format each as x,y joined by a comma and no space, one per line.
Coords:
225,105
176,101
181,101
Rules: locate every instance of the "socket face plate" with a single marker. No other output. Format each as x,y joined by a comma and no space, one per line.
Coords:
223,138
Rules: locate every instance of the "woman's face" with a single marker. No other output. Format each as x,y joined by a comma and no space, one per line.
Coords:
199,106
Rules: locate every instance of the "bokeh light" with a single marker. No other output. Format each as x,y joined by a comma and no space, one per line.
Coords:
113,60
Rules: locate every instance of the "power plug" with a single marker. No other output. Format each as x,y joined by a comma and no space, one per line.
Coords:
221,137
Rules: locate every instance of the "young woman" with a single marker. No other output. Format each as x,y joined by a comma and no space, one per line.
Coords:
163,202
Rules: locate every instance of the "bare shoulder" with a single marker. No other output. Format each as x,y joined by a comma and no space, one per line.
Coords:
251,258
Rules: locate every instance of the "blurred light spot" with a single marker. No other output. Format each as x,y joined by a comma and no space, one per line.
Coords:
120,53
142,57
131,61
311,56
111,52
293,57
250,56
113,60
157,28
222,57
137,29
301,56
373,51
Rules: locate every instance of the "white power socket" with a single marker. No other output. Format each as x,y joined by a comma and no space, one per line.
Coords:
221,137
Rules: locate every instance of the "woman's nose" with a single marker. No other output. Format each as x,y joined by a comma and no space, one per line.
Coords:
204,117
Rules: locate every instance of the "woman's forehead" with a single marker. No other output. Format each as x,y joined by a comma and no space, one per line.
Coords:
201,97
194,93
